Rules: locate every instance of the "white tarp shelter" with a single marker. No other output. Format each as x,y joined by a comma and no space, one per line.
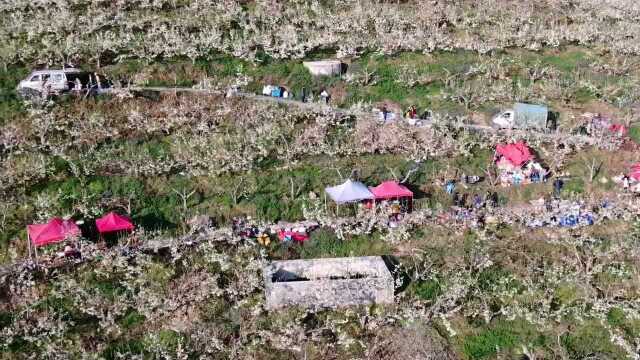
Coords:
350,191
324,67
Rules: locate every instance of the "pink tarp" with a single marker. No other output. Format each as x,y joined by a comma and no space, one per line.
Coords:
619,129
54,231
113,222
517,154
390,190
635,172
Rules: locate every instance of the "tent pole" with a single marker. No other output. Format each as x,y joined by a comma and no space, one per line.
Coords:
29,244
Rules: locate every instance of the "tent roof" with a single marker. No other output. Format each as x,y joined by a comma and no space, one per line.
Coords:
113,222
350,191
635,172
517,154
390,189
54,231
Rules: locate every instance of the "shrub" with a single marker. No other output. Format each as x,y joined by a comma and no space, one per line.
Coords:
428,290
121,349
487,343
591,338
131,319
615,316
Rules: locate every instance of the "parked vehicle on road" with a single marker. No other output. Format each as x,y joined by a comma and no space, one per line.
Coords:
525,116
59,81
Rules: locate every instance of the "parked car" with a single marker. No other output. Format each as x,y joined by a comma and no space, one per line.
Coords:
525,116
58,81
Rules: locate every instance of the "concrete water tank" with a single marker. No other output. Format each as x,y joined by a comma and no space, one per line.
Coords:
328,283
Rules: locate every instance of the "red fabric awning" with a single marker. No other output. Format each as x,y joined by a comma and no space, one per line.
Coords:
517,154
113,222
54,231
635,172
390,190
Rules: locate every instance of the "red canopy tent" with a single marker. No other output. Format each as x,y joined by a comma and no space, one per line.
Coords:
635,172
113,222
54,231
391,190
517,154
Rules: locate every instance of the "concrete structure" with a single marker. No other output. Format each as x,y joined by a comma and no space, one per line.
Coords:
324,67
328,283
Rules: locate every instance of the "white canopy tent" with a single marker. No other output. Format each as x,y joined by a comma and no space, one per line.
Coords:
350,191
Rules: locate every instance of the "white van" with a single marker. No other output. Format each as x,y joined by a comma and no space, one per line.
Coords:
57,81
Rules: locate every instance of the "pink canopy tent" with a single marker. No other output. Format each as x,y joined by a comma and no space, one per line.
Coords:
635,172
517,154
54,231
113,222
390,190
619,129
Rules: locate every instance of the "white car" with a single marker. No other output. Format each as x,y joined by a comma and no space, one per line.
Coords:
56,81
503,120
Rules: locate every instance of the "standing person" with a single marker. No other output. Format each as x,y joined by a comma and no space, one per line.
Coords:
487,198
477,201
494,199
456,199
325,96
557,187
463,200
384,113
304,95
625,182
450,186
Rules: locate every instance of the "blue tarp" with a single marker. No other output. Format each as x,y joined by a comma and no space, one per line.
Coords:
277,92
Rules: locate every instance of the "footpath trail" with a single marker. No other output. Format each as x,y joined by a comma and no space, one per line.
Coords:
319,107
622,206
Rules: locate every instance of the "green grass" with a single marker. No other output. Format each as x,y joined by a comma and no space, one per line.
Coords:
634,133
505,336
324,243
567,61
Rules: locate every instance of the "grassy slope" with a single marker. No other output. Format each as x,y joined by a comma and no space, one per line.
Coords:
155,204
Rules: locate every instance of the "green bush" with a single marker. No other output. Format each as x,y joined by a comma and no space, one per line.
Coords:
121,349
615,316
5,319
131,319
159,275
428,290
591,339
493,275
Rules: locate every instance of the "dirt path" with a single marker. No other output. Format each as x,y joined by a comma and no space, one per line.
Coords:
319,107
